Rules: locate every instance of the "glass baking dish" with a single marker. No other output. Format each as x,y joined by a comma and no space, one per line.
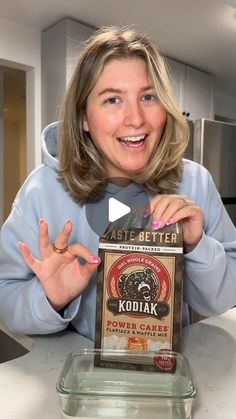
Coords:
90,391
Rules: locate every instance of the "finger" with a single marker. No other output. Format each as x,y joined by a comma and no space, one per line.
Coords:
149,209
81,251
62,238
159,204
29,259
88,269
44,245
164,213
191,212
163,206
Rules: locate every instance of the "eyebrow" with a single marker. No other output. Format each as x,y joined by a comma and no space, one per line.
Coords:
119,91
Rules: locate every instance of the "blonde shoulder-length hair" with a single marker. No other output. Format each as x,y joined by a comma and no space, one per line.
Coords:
81,167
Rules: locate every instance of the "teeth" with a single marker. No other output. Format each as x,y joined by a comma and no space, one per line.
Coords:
133,139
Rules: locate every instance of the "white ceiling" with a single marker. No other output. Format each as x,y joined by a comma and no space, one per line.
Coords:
201,33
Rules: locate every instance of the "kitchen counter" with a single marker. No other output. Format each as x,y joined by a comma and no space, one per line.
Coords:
210,346
28,383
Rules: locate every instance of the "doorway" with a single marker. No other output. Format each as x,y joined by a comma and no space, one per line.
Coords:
13,148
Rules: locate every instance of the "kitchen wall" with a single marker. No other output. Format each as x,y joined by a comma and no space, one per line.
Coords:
225,106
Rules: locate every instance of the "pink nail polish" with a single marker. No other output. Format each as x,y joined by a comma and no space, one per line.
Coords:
146,213
170,221
157,224
95,259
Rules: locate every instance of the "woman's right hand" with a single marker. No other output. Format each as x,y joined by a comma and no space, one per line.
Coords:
62,277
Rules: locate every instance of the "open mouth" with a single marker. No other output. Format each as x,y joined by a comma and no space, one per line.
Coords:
133,141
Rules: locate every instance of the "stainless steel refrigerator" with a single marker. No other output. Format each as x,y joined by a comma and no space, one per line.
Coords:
213,144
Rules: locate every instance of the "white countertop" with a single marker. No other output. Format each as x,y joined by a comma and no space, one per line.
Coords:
210,346
28,384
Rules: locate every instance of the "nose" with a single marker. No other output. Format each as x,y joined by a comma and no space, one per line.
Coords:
134,115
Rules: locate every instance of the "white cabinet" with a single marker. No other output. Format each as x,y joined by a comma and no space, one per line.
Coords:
177,73
61,44
193,90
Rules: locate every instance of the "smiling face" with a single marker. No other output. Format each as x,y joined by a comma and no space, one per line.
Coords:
124,117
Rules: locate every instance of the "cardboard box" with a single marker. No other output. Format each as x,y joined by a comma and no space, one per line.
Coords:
139,290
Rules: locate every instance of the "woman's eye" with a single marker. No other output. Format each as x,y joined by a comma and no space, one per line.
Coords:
112,100
148,98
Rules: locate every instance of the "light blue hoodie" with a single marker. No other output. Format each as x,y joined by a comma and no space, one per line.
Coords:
210,269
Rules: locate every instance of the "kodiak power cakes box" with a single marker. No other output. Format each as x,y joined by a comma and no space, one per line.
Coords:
139,290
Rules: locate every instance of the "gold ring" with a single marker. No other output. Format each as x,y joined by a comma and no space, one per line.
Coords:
59,251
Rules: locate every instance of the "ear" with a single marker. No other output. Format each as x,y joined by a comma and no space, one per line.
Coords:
85,124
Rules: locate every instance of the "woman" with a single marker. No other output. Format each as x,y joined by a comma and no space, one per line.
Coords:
120,133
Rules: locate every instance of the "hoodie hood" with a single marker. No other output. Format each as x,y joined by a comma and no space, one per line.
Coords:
50,145
50,152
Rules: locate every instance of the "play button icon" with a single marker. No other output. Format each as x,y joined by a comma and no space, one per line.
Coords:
110,202
116,209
